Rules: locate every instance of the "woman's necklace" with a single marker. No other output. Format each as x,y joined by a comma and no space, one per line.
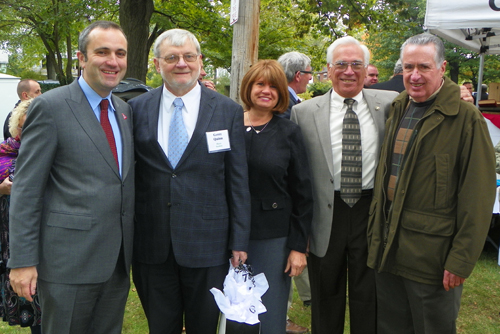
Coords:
252,127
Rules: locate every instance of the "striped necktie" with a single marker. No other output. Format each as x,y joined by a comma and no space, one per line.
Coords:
351,170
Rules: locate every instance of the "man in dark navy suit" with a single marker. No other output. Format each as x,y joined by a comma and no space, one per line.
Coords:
192,199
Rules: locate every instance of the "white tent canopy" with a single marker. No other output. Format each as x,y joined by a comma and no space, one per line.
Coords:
8,95
474,25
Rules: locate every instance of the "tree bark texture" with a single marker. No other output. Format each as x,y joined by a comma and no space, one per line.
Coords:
134,20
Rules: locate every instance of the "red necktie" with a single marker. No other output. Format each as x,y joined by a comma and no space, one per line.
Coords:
106,126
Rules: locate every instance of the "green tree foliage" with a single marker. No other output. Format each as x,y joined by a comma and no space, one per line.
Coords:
319,88
385,39
406,18
208,20
48,29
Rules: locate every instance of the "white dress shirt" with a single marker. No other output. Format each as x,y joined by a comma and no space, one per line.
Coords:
369,138
190,113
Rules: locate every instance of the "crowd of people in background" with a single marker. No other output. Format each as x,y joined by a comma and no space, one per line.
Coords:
375,193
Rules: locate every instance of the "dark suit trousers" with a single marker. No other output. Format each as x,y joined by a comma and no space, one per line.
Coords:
344,261
85,308
409,307
169,292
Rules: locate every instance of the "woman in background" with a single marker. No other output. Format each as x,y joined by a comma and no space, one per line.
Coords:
280,189
13,309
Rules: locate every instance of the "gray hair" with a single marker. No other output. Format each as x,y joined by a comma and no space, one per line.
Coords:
293,62
83,39
175,37
345,41
425,39
398,68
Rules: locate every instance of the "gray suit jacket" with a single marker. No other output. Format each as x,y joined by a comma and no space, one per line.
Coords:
200,209
313,117
71,212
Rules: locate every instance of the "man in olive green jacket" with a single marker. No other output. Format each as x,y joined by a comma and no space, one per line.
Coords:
433,197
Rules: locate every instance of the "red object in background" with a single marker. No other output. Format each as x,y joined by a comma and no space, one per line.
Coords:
494,118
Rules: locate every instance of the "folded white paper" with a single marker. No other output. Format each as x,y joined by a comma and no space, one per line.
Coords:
241,300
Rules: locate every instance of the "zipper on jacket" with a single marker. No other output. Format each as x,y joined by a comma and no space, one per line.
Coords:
408,146
384,193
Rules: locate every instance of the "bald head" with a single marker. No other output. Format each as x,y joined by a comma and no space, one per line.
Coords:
28,89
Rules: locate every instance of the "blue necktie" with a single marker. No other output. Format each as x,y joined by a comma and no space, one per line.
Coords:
178,136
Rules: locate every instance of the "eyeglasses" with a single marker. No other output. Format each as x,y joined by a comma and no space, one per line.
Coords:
174,59
342,65
306,72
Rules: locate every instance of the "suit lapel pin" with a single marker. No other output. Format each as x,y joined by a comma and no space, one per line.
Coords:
377,108
124,117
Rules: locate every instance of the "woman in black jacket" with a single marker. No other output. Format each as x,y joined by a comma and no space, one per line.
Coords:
280,189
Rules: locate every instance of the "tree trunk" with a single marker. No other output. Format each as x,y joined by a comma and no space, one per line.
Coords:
69,60
51,73
454,71
245,44
134,20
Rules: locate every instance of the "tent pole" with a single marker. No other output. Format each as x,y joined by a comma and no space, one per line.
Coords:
480,79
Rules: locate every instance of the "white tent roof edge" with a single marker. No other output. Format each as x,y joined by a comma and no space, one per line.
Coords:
474,25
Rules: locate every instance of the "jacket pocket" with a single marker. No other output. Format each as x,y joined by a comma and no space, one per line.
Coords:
442,173
424,243
71,221
215,212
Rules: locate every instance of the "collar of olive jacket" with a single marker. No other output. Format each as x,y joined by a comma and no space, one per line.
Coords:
447,101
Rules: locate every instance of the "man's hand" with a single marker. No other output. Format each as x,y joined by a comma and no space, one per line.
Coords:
466,95
451,281
238,257
5,186
209,84
23,281
296,263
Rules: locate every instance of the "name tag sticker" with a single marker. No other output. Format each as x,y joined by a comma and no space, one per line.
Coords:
218,141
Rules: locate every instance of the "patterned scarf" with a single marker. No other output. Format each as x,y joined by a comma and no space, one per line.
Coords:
8,154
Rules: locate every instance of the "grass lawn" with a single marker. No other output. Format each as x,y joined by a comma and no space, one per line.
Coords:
479,313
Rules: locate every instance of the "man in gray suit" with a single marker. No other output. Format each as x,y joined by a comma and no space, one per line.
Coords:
298,71
72,204
338,243
193,202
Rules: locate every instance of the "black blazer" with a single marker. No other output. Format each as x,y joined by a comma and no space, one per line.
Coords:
202,207
280,184
395,83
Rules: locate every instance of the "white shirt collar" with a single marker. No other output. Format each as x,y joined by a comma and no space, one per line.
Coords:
337,101
191,99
